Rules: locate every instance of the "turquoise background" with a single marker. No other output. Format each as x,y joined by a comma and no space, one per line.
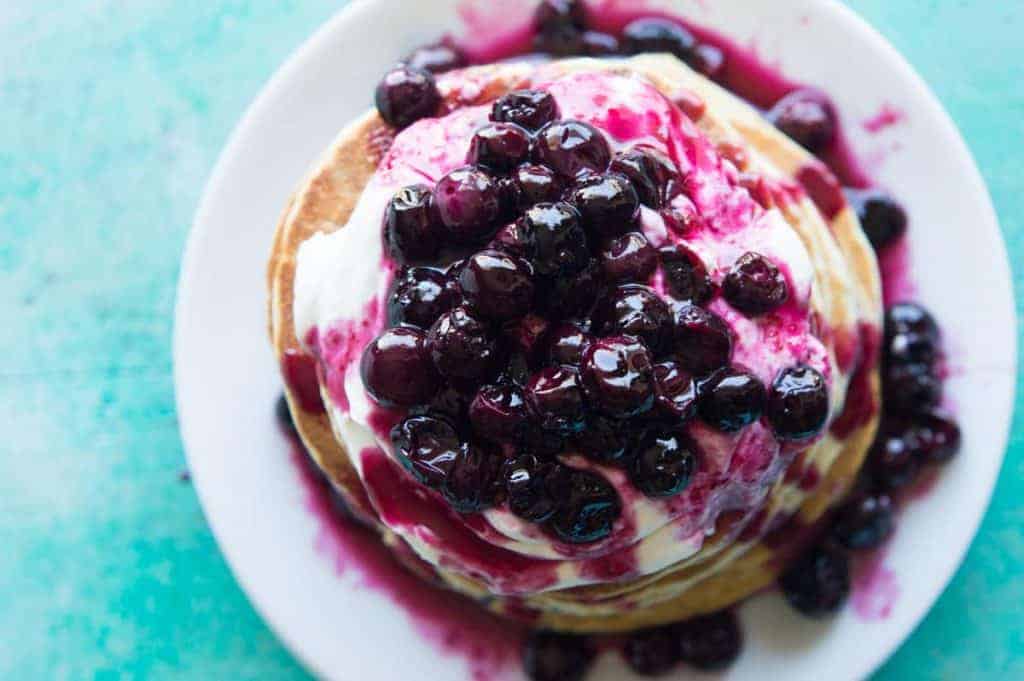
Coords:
113,114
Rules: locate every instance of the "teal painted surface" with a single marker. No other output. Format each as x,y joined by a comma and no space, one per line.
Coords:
112,116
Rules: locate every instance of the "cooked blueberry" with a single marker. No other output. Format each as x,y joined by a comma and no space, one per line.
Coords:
556,398
551,656
436,58
565,344
469,203
516,370
587,510
652,34
663,464
629,258
559,242
818,583
499,285
449,402
806,117
634,310
530,109
461,345
512,239
910,348
427,446
754,285
707,60
702,341
685,275
865,521
710,641
284,415
412,224
536,184
938,437
797,404
525,335
910,318
545,444
551,14
499,146
532,487
652,652
603,440
572,148
396,368
608,203
653,174
405,95
731,400
597,44
881,216
908,389
498,413
894,458
474,481
420,295
675,391
617,376
571,294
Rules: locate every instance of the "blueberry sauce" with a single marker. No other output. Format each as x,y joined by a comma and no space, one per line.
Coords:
543,257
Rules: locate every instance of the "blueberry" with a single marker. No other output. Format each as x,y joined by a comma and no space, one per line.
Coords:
469,203
499,146
938,437
894,459
420,295
499,285
608,204
396,368
754,285
907,348
806,117
499,413
571,294
550,656
797,404
572,148
910,318
652,34
536,184
597,44
603,440
881,216
634,310
629,258
685,274
707,60
702,342
531,486
565,345
412,225
865,521
587,510
663,465
283,414
710,642
405,95
654,175
462,346
427,446
530,109
909,389
556,398
436,58
675,392
559,242
731,400
818,583
473,483
652,652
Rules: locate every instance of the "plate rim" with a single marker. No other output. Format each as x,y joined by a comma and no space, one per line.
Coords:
350,13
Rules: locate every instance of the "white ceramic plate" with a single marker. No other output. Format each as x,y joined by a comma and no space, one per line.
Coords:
227,380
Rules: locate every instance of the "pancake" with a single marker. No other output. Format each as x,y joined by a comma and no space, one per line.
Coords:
743,555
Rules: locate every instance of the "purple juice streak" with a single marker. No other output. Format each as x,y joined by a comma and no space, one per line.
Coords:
874,589
454,624
342,344
886,117
300,375
895,267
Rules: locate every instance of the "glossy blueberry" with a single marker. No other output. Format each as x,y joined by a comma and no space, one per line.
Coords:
663,464
526,335
436,58
555,397
559,244
405,95
653,34
685,274
565,344
604,440
702,342
420,295
653,175
597,44
797,406
806,117
881,216
754,285
497,284
283,414
396,368
710,642
894,459
462,346
938,437
629,258
587,510
571,294
634,310
536,184
531,485
498,413
469,203
707,60
551,656
412,225
572,148
731,400
607,203
865,521
652,652
909,389
675,392
910,318
559,27
818,583
530,109
499,146
617,376
473,483
907,347
427,446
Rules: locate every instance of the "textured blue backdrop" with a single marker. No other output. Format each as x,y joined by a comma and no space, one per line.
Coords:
113,114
